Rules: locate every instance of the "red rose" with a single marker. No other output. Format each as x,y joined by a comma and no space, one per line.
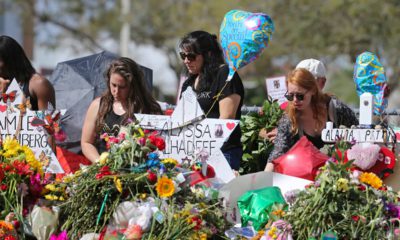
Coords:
355,218
160,144
3,187
152,177
169,112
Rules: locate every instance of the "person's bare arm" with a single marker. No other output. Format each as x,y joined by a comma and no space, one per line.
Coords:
89,132
43,90
4,84
228,106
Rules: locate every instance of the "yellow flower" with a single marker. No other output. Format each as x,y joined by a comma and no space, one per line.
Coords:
342,184
141,133
118,184
165,187
31,159
371,179
50,187
103,158
10,146
170,160
61,198
272,232
203,236
49,197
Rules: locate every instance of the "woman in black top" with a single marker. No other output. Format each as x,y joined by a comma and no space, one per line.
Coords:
307,113
15,64
207,74
126,94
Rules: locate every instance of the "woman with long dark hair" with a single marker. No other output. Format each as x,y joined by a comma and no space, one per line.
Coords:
15,64
207,73
126,94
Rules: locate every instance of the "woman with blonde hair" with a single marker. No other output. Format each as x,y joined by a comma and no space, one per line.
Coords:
307,113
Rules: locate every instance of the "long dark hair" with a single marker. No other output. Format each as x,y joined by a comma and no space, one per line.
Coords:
139,99
206,44
15,62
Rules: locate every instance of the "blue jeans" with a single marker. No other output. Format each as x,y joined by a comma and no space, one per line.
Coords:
234,156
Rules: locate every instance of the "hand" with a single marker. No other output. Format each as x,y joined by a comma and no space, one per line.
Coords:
271,135
269,167
4,84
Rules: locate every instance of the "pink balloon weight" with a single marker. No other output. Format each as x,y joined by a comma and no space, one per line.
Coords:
303,160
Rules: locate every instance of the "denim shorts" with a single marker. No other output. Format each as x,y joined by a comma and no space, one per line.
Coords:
234,156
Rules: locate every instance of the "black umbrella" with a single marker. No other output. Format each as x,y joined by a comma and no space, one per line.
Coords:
76,83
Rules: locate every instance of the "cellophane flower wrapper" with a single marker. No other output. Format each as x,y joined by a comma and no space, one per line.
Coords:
44,221
255,206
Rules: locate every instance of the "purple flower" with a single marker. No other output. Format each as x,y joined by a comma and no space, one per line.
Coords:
291,196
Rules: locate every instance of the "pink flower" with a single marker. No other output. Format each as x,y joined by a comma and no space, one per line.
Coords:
142,141
61,236
35,187
60,136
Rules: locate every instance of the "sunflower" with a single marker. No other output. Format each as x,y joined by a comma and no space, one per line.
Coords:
165,187
170,161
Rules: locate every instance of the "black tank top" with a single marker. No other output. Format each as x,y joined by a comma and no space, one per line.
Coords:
33,99
112,123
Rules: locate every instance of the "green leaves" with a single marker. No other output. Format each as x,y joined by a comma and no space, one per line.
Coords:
255,148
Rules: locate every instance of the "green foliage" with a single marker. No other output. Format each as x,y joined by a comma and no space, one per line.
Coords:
255,148
354,205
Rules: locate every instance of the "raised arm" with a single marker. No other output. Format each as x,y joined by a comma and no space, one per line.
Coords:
88,138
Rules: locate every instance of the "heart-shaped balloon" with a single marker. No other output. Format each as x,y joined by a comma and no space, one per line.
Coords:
243,36
303,160
369,76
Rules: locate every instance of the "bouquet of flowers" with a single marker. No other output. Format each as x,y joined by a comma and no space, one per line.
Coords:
130,193
255,148
20,179
345,202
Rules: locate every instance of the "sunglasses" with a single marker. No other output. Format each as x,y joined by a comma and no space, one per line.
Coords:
190,56
290,96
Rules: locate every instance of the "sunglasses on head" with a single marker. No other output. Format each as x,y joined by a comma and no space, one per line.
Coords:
290,96
190,56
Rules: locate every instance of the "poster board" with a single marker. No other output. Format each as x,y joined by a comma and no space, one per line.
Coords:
18,124
187,131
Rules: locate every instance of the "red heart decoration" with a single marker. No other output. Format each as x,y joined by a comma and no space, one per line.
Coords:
381,166
303,160
3,108
230,125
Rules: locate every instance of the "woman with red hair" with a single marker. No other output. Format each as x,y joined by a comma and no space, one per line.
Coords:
307,113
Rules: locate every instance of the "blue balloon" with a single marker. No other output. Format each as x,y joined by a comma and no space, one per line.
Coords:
243,36
369,76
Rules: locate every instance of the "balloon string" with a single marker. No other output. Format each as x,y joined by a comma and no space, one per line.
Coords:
216,97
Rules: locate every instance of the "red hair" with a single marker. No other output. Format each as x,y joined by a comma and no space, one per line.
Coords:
304,79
